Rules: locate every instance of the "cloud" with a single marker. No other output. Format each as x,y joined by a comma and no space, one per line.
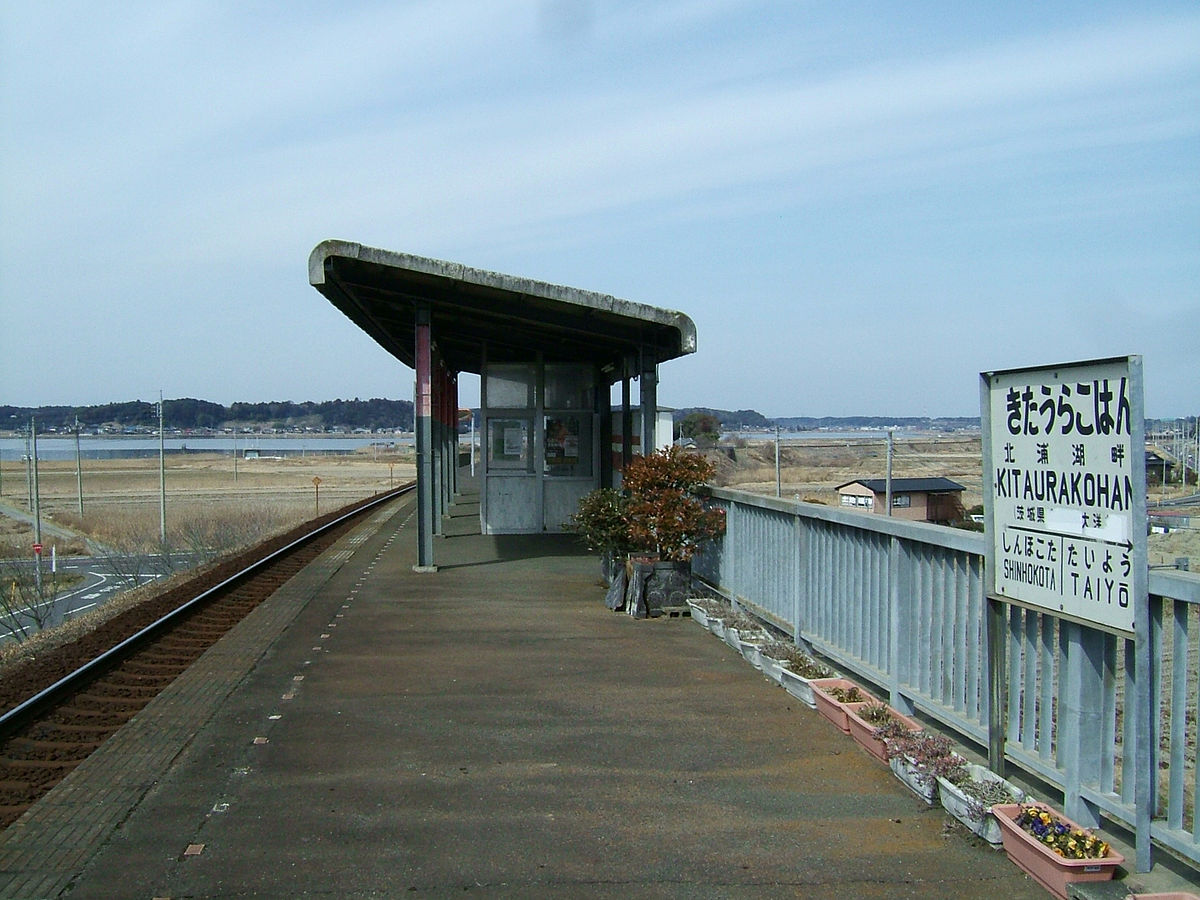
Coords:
182,155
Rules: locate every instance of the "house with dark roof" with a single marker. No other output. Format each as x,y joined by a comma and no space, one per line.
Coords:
917,499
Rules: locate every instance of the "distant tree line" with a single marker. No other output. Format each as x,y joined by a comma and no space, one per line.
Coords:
736,420
189,413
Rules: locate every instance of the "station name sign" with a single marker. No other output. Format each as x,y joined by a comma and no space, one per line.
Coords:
1064,487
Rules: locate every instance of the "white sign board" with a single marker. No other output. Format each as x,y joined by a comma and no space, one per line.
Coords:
1064,484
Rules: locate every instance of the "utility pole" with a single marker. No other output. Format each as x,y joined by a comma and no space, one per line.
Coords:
37,509
778,481
29,468
162,477
78,468
888,487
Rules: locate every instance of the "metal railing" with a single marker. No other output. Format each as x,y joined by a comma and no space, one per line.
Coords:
902,604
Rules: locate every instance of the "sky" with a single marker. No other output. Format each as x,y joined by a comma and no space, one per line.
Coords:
861,205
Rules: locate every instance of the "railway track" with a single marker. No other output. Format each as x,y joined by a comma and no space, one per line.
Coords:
65,704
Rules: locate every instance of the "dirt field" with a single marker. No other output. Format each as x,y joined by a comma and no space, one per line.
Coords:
811,470
121,497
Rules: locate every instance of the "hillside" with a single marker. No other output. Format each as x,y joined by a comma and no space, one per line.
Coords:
736,420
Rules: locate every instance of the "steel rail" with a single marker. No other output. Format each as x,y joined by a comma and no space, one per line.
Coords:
14,718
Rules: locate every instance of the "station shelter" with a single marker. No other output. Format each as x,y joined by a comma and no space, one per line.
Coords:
547,356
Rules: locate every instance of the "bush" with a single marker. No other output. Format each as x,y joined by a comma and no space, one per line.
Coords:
663,513
657,512
602,522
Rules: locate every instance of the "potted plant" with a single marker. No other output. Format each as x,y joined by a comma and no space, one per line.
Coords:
657,521
666,523
832,695
874,725
704,607
798,672
918,758
772,654
601,522
746,636
1052,849
970,792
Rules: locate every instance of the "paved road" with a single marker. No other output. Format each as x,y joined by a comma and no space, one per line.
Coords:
103,578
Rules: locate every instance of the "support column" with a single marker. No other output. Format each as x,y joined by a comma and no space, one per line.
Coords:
604,412
649,390
449,462
438,442
626,418
423,414
454,444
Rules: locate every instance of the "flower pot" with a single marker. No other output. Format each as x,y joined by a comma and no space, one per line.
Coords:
615,597
717,627
667,584
698,613
750,646
828,705
798,686
959,805
751,653
863,731
1051,871
609,564
733,639
910,774
771,667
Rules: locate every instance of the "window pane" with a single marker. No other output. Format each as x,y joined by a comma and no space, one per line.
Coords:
508,445
510,387
568,445
568,387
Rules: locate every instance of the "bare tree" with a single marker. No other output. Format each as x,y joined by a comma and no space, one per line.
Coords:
27,602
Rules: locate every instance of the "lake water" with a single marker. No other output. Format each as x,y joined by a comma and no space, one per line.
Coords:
60,448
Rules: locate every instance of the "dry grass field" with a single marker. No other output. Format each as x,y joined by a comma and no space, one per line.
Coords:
205,501
812,469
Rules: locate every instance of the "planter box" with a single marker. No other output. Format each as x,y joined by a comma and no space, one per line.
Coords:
905,768
698,614
1051,871
733,639
959,805
863,731
771,667
751,647
717,627
798,686
827,705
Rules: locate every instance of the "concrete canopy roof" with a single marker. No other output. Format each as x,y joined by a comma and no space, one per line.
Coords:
380,291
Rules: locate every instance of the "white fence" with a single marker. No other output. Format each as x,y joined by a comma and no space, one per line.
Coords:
902,604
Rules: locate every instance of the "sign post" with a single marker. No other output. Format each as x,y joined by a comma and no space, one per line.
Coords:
1064,490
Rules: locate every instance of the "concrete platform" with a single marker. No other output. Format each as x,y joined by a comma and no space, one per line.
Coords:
488,729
